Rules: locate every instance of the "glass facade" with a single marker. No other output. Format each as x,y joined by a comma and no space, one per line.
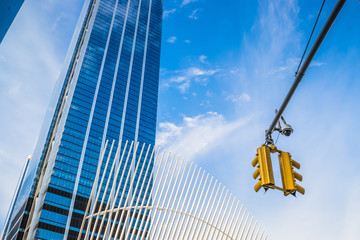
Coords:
8,11
107,91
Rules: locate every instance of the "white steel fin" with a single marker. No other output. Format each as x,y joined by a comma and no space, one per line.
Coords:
149,194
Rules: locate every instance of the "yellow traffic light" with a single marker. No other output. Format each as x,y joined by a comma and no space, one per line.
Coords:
264,168
288,175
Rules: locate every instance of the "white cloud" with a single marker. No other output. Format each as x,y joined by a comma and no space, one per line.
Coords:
186,2
196,135
195,14
183,79
266,48
168,131
187,41
171,39
184,87
317,64
201,72
178,79
244,97
58,20
167,13
285,70
203,58
209,93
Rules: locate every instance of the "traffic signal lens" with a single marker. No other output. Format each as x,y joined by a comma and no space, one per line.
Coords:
256,173
295,164
298,176
255,161
257,186
300,189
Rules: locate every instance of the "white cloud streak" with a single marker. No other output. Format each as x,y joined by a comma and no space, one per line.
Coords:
186,2
195,14
171,39
167,13
196,135
244,97
183,79
203,58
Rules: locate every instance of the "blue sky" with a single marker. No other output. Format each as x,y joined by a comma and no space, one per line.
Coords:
224,70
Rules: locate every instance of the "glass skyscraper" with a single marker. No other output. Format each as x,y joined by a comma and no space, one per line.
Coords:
107,90
8,11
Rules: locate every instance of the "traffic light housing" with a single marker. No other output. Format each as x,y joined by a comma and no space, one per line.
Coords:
264,171
288,175
264,168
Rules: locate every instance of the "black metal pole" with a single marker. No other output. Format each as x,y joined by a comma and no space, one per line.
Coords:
305,65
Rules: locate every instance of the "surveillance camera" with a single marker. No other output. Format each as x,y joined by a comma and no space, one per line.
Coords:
286,130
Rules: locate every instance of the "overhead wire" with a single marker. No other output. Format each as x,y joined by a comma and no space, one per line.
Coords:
307,45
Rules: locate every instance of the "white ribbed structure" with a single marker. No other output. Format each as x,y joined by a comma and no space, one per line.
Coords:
184,201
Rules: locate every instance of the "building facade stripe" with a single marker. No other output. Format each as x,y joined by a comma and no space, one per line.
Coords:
123,118
89,125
